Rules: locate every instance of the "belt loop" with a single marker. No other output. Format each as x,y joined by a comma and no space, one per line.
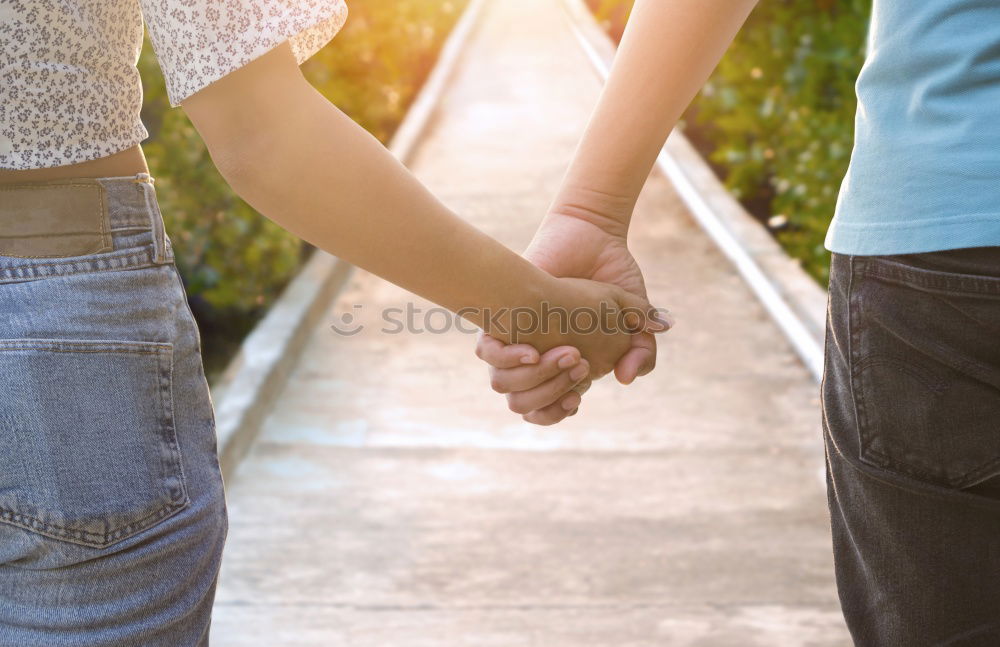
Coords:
160,253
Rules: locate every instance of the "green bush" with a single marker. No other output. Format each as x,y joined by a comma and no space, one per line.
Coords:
778,113
234,261
377,64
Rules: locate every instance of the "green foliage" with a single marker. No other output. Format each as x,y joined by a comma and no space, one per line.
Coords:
778,114
377,64
234,261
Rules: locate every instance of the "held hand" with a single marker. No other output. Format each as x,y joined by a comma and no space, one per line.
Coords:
543,389
598,319
567,245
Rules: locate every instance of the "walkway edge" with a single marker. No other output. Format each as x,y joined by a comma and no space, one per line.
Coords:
246,390
793,299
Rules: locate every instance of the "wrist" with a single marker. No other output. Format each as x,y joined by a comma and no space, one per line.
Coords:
508,306
610,212
531,319
525,321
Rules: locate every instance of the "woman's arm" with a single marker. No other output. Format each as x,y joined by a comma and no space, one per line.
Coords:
300,161
304,164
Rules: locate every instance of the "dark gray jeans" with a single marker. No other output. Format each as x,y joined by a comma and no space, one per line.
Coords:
911,401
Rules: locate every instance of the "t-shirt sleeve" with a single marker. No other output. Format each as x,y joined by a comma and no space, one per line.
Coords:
197,42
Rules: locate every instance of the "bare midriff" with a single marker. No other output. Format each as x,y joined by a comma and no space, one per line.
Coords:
128,162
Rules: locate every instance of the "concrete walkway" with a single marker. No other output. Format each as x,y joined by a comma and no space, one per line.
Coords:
393,501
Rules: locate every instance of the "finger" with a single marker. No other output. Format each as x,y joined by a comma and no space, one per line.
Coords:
500,355
524,378
583,387
639,315
549,392
639,360
636,362
565,407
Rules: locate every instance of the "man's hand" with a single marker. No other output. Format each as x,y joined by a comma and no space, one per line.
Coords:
666,54
568,245
579,245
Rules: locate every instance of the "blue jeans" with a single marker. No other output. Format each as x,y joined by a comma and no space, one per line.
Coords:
911,403
112,512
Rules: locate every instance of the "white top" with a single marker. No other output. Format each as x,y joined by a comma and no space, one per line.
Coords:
69,87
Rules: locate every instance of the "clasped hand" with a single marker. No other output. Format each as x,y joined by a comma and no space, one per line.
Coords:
546,387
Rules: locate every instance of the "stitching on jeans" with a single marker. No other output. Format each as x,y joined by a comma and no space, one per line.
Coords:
934,280
26,272
83,537
175,438
923,377
128,261
171,439
90,346
857,389
55,350
105,218
131,256
966,480
922,488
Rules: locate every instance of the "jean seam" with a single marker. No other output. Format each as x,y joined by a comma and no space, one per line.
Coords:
171,426
966,480
83,537
84,346
166,433
187,305
29,271
923,376
933,280
923,488
853,339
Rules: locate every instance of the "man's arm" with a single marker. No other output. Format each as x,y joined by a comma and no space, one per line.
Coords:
669,49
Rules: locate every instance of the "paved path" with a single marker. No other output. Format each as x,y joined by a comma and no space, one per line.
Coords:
392,501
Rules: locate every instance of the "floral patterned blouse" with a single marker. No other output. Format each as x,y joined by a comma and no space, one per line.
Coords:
69,88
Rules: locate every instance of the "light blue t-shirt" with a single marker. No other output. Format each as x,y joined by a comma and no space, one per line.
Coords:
925,171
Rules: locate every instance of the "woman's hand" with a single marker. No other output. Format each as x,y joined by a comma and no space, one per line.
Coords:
596,249
570,242
543,389
598,319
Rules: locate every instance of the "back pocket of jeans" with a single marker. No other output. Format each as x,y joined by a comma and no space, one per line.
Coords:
926,373
88,450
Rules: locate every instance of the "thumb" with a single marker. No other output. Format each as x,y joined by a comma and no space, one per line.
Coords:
638,315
